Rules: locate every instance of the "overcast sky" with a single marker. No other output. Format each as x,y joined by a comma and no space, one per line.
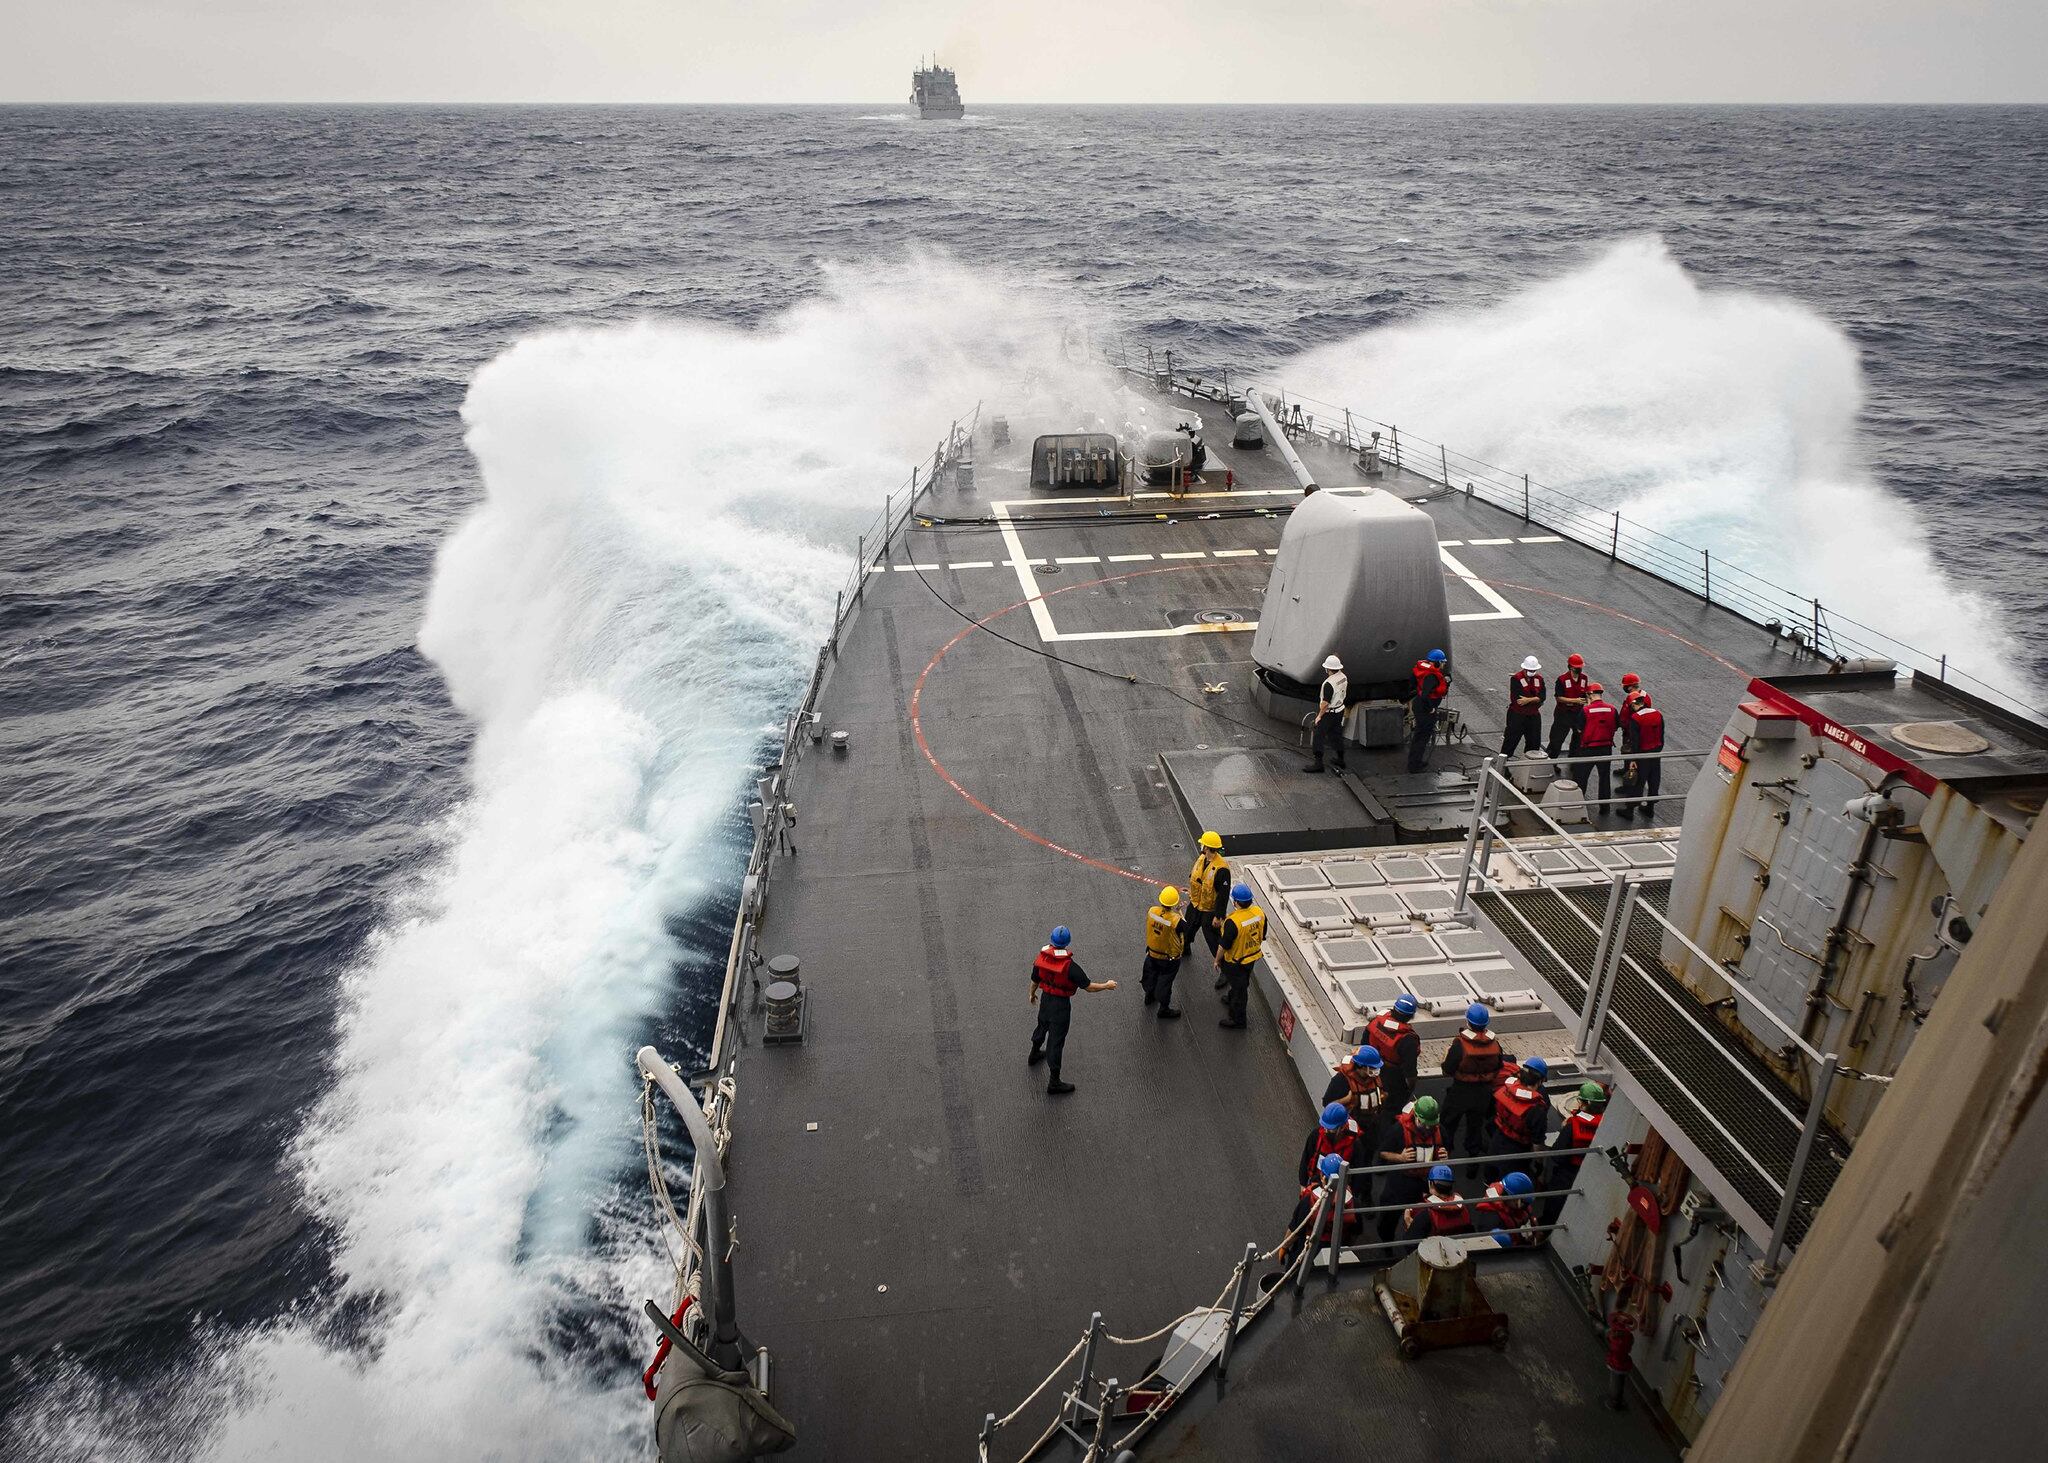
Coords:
1025,50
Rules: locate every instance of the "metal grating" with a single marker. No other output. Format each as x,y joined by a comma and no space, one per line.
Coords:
1705,1064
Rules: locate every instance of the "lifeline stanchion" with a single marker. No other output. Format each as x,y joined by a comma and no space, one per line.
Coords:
1244,1280
1340,1199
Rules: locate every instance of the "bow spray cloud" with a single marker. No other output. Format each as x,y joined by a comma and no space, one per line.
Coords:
1721,417
624,616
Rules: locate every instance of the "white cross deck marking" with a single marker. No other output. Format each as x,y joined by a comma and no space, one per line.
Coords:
1041,615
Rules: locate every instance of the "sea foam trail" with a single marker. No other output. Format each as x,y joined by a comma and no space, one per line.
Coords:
624,616
1724,418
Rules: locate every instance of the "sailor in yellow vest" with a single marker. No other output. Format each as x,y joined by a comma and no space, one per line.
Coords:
1242,937
1165,942
1208,892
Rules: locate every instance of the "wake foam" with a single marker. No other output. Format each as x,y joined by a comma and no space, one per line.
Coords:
1721,417
624,617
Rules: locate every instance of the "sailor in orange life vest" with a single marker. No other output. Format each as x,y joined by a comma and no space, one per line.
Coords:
1525,708
1242,939
1356,1085
1505,1209
1597,726
1330,704
1208,891
1166,939
1440,1212
1473,1063
1521,1114
1579,1130
1432,684
1400,1050
1572,690
1055,976
1642,730
1327,1169
1412,1137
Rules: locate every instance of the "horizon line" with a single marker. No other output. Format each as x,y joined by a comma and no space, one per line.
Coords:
905,106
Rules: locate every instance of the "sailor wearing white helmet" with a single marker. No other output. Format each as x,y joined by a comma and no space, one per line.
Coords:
1525,708
1330,703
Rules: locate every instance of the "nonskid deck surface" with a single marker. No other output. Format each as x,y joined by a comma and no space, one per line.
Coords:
925,1252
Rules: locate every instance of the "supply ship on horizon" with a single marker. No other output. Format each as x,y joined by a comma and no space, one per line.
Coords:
936,94
1779,1020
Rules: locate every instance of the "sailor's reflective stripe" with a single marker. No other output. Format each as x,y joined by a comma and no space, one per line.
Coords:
1162,934
1202,881
1249,924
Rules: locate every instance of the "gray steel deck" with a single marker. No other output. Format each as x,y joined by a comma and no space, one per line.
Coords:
925,1252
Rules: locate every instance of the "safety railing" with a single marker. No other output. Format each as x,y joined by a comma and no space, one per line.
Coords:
1801,620
773,817
1093,1406
1497,795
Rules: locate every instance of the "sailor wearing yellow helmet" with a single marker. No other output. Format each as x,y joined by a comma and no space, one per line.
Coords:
1165,942
1208,891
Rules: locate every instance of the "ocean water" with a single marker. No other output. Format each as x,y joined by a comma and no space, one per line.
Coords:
415,519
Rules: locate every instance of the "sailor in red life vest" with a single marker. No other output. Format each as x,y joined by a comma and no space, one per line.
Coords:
1356,1084
1055,976
1642,730
1505,1206
1400,1050
1355,1087
1525,708
1597,726
1521,1113
1473,1063
1440,1212
1579,1130
1572,691
1412,1137
1336,1131
1432,684
1327,1169
1631,692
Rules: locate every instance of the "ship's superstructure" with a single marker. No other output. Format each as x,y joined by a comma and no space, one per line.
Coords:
1047,675
936,93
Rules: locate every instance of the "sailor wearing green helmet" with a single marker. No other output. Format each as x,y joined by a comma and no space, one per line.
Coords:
1412,1137
1578,1132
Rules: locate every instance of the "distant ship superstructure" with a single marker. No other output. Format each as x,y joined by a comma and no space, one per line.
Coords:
935,93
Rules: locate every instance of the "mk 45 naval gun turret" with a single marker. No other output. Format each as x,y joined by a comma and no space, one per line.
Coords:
1357,576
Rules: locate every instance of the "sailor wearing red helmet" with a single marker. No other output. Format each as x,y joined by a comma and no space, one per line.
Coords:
1571,691
1596,745
1642,733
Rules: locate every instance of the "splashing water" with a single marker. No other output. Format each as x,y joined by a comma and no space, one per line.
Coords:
1723,418
624,617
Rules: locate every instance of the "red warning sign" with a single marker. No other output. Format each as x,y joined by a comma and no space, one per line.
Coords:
1285,1021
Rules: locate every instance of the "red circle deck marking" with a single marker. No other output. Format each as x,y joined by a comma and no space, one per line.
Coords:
917,689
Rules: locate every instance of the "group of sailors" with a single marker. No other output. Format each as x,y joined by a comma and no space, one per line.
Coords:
1494,1107
1584,727
1429,683
1218,910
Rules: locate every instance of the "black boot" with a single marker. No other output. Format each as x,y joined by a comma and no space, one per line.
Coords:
1149,998
1035,1058
1057,1088
1169,1013
1312,767
1232,1023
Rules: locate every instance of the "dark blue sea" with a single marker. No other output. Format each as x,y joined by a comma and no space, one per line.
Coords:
416,518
